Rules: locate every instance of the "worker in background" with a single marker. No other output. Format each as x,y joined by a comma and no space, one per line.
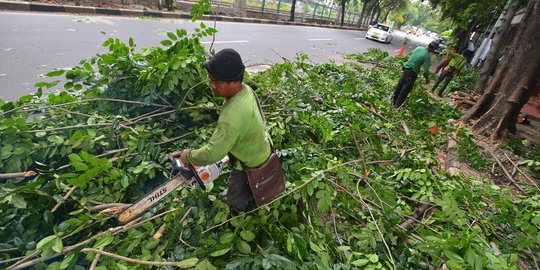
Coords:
456,65
419,58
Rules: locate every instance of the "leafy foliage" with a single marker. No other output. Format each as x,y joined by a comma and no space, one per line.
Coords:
464,81
353,175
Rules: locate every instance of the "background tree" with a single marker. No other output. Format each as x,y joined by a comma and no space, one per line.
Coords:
492,59
364,13
390,5
169,4
468,16
293,8
419,14
342,11
397,19
514,80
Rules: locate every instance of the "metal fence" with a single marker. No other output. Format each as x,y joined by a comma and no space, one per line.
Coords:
313,10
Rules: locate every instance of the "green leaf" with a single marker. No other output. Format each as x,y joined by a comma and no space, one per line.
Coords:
456,265
45,241
18,201
188,263
360,262
226,238
373,258
58,140
74,157
205,265
125,181
5,151
68,260
247,235
87,66
243,247
181,32
171,36
166,42
104,240
131,43
40,84
315,247
452,255
55,73
220,252
57,246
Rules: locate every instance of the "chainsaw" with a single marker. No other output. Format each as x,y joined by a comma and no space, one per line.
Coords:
198,176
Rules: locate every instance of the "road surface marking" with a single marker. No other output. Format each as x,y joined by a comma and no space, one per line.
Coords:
224,42
360,38
319,39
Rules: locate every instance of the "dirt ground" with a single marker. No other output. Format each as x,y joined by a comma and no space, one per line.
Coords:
530,131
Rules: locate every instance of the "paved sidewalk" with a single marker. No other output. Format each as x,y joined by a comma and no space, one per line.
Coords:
42,7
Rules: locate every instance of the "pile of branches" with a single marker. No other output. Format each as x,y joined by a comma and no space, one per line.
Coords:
364,189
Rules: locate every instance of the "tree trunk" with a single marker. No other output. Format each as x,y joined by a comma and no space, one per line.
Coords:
342,12
373,12
239,7
367,19
385,17
361,20
293,7
463,35
169,4
492,59
514,80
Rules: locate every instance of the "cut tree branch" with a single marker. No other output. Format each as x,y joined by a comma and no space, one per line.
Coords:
136,261
114,231
17,175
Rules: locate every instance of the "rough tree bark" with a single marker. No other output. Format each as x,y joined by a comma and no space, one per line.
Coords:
293,8
374,11
239,7
492,59
514,80
169,4
463,35
361,20
343,2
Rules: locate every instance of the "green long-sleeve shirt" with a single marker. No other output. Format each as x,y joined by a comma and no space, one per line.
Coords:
240,131
419,57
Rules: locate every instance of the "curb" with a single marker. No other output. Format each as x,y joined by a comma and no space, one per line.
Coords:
40,7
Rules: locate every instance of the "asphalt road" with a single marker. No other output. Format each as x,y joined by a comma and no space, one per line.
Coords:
33,43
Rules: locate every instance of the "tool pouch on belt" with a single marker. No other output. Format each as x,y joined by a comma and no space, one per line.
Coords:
450,71
267,181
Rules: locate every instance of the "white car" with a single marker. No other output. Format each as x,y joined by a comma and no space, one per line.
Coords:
380,32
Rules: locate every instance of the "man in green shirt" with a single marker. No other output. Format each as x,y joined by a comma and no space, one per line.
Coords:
455,66
419,58
240,130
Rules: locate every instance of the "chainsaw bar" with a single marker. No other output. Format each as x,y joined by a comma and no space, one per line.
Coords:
151,199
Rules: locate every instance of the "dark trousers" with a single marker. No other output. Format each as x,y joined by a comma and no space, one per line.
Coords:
444,76
239,193
404,86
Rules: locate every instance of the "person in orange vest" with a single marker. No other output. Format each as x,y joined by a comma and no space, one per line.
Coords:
447,57
455,66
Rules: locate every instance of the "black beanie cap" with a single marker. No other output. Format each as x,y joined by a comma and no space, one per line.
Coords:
226,65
